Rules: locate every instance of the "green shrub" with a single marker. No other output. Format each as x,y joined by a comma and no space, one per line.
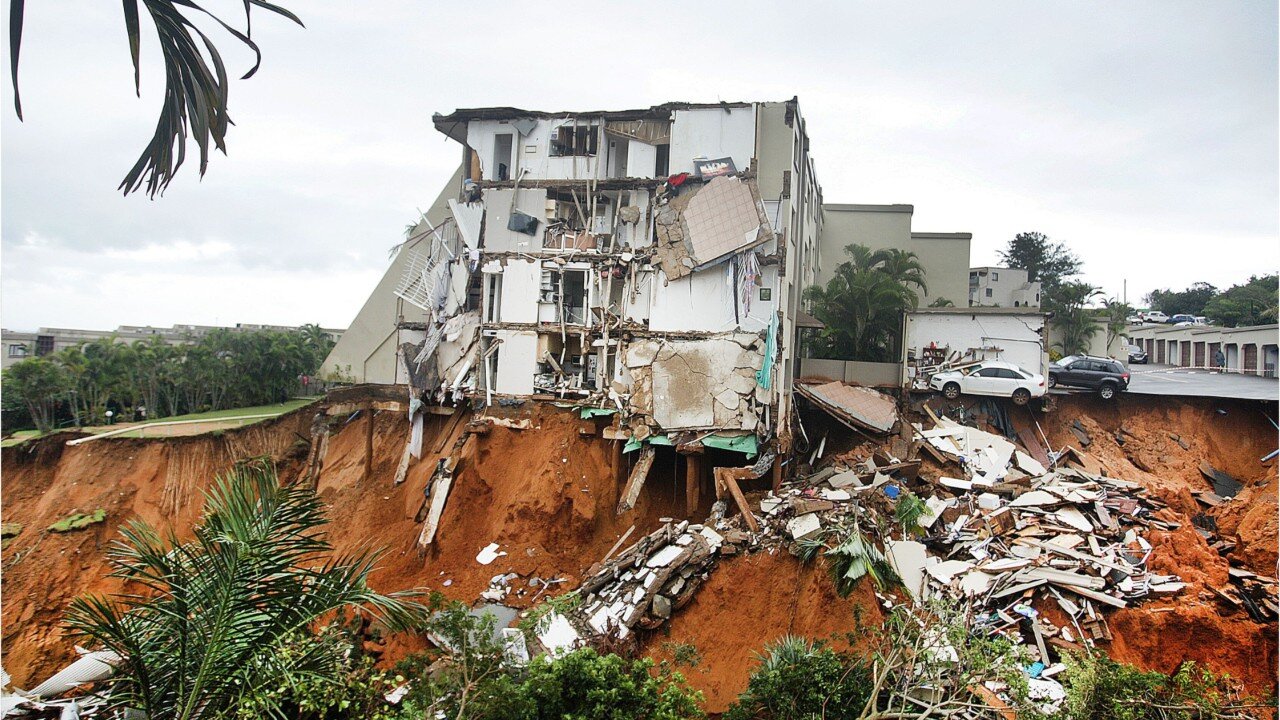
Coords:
799,679
1102,689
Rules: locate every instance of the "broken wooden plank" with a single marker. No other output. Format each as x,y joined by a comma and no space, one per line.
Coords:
726,481
636,480
439,494
1103,598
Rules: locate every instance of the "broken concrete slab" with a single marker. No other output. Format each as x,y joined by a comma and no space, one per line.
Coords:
858,407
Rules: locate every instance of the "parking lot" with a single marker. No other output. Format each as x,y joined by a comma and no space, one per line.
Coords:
1187,382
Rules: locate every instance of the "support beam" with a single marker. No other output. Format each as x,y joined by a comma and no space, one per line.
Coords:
638,475
727,483
617,460
692,483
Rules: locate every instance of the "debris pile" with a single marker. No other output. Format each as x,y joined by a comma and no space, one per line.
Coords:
644,584
1007,536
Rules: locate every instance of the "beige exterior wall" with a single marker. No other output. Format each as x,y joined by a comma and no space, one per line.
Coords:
366,353
945,256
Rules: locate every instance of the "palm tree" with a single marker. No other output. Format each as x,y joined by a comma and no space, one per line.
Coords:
1117,318
1077,323
206,625
195,95
862,304
904,267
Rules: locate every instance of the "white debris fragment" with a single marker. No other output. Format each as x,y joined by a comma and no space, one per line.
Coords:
804,525
489,553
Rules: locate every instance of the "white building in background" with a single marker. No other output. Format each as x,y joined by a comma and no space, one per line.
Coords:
649,260
1002,287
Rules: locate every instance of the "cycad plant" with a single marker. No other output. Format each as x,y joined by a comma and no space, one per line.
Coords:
204,622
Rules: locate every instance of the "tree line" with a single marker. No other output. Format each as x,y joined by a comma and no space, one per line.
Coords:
216,371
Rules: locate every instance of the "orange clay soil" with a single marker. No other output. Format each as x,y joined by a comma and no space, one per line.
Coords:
1195,624
547,496
748,602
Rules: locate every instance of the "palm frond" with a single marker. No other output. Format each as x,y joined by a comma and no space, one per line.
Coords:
216,609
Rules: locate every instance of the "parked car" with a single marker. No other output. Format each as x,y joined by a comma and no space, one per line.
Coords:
1137,356
1182,320
1155,316
1134,320
990,377
1104,375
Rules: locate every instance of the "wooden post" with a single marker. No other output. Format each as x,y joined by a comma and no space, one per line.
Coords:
727,481
368,444
692,483
617,460
777,475
638,475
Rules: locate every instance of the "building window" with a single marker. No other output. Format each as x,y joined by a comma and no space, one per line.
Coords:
988,292
18,351
44,344
995,276
575,140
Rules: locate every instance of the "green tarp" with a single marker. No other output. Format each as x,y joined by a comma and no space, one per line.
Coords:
745,444
590,412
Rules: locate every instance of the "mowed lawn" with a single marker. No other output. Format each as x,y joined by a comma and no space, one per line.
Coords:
193,423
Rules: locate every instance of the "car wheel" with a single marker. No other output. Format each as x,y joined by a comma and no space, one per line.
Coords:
1021,396
1053,381
951,390
1107,391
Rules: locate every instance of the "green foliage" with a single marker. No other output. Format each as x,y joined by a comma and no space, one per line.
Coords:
353,688
214,621
39,383
1253,303
1048,262
862,304
196,82
1190,301
1103,689
941,302
854,558
1076,322
222,369
801,679
1115,319
584,685
682,653
77,521
908,511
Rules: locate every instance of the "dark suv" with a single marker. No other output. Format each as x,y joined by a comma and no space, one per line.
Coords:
1105,375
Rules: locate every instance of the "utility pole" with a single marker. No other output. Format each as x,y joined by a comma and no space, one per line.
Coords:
1124,296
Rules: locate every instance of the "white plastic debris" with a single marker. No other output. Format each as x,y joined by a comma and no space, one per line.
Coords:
804,525
489,553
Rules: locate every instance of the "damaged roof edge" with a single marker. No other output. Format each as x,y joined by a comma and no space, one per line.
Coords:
444,123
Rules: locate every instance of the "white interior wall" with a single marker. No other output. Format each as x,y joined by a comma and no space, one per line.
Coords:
642,159
520,281
497,203
703,301
517,360
1015,335
712,133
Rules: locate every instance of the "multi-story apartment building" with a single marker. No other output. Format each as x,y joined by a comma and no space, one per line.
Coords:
650,261
1002,287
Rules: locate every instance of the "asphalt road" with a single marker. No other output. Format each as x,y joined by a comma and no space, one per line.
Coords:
1177,381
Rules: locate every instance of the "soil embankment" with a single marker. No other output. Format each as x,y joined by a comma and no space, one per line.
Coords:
547,496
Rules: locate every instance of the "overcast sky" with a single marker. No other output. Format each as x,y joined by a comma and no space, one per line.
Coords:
1142,134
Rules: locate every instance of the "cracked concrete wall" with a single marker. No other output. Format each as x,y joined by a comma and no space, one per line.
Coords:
498,211
695,384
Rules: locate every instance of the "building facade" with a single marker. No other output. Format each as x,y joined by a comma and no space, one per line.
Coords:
1252,350
1002,287
944,255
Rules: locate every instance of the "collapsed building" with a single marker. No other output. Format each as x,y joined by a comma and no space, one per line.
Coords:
645,262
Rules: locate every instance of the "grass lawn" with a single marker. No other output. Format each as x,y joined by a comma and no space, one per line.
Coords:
273,410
